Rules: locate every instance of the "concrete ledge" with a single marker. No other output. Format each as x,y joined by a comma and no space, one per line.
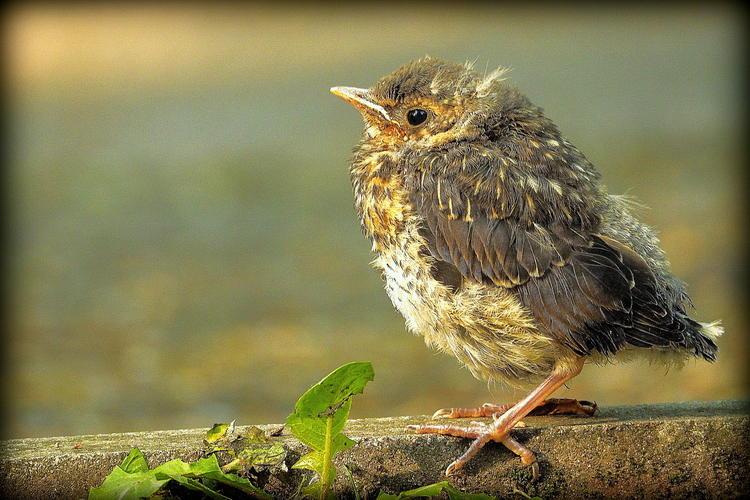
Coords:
684,450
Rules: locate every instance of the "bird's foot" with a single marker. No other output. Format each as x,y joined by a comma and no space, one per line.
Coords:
551,406
503,422
481,434
499,429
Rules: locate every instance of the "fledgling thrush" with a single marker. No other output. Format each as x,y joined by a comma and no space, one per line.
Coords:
499,245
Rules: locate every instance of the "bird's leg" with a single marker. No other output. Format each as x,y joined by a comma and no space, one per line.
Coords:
498,430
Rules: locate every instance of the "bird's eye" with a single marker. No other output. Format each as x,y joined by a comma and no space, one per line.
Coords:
416,116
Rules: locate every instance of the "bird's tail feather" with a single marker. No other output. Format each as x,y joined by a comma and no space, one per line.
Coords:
704,340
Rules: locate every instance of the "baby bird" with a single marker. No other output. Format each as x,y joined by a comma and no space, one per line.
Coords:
499,245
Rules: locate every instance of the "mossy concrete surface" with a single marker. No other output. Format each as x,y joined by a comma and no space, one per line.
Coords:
682,450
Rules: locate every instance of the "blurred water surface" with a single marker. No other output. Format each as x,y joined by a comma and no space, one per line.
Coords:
182,245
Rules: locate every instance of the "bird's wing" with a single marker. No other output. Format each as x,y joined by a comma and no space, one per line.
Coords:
591,292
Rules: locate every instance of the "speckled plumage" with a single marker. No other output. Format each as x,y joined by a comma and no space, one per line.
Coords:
497,241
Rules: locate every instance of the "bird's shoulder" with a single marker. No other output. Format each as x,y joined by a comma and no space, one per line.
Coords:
498,220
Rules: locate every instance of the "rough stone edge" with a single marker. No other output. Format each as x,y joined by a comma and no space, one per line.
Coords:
684,450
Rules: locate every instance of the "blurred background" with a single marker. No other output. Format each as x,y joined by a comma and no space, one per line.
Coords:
181,245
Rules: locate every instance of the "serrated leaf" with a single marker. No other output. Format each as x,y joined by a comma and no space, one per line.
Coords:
455,494
429,490
386,496
254,450
312,490
433,490
136,483
217,432
193,484
311,429
256,435
267,454
341,442
312,461
339,385
316,461
175,467
134,462
320,415
122,485
260,450
208,468
237,482
329,397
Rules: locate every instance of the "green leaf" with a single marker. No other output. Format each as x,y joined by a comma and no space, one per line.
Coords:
433,490
254,450
339,385
131,481
429,490
177,466
312,429
122,485
312,461
328,397
217,432
268,455
320,415
386,496
341,442
312,490
455,494
193,484
257,449
134,462
207,468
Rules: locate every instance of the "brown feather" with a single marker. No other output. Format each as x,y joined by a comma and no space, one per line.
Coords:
587,290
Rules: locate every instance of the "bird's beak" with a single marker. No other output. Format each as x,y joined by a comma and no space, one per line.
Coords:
360,99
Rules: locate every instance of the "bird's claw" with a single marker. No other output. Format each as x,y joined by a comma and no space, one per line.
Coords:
535,472
453,470
565,406
443,412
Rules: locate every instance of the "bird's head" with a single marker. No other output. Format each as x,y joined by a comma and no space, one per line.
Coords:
429,102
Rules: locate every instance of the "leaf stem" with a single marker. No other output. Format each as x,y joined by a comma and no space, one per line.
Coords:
327,459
